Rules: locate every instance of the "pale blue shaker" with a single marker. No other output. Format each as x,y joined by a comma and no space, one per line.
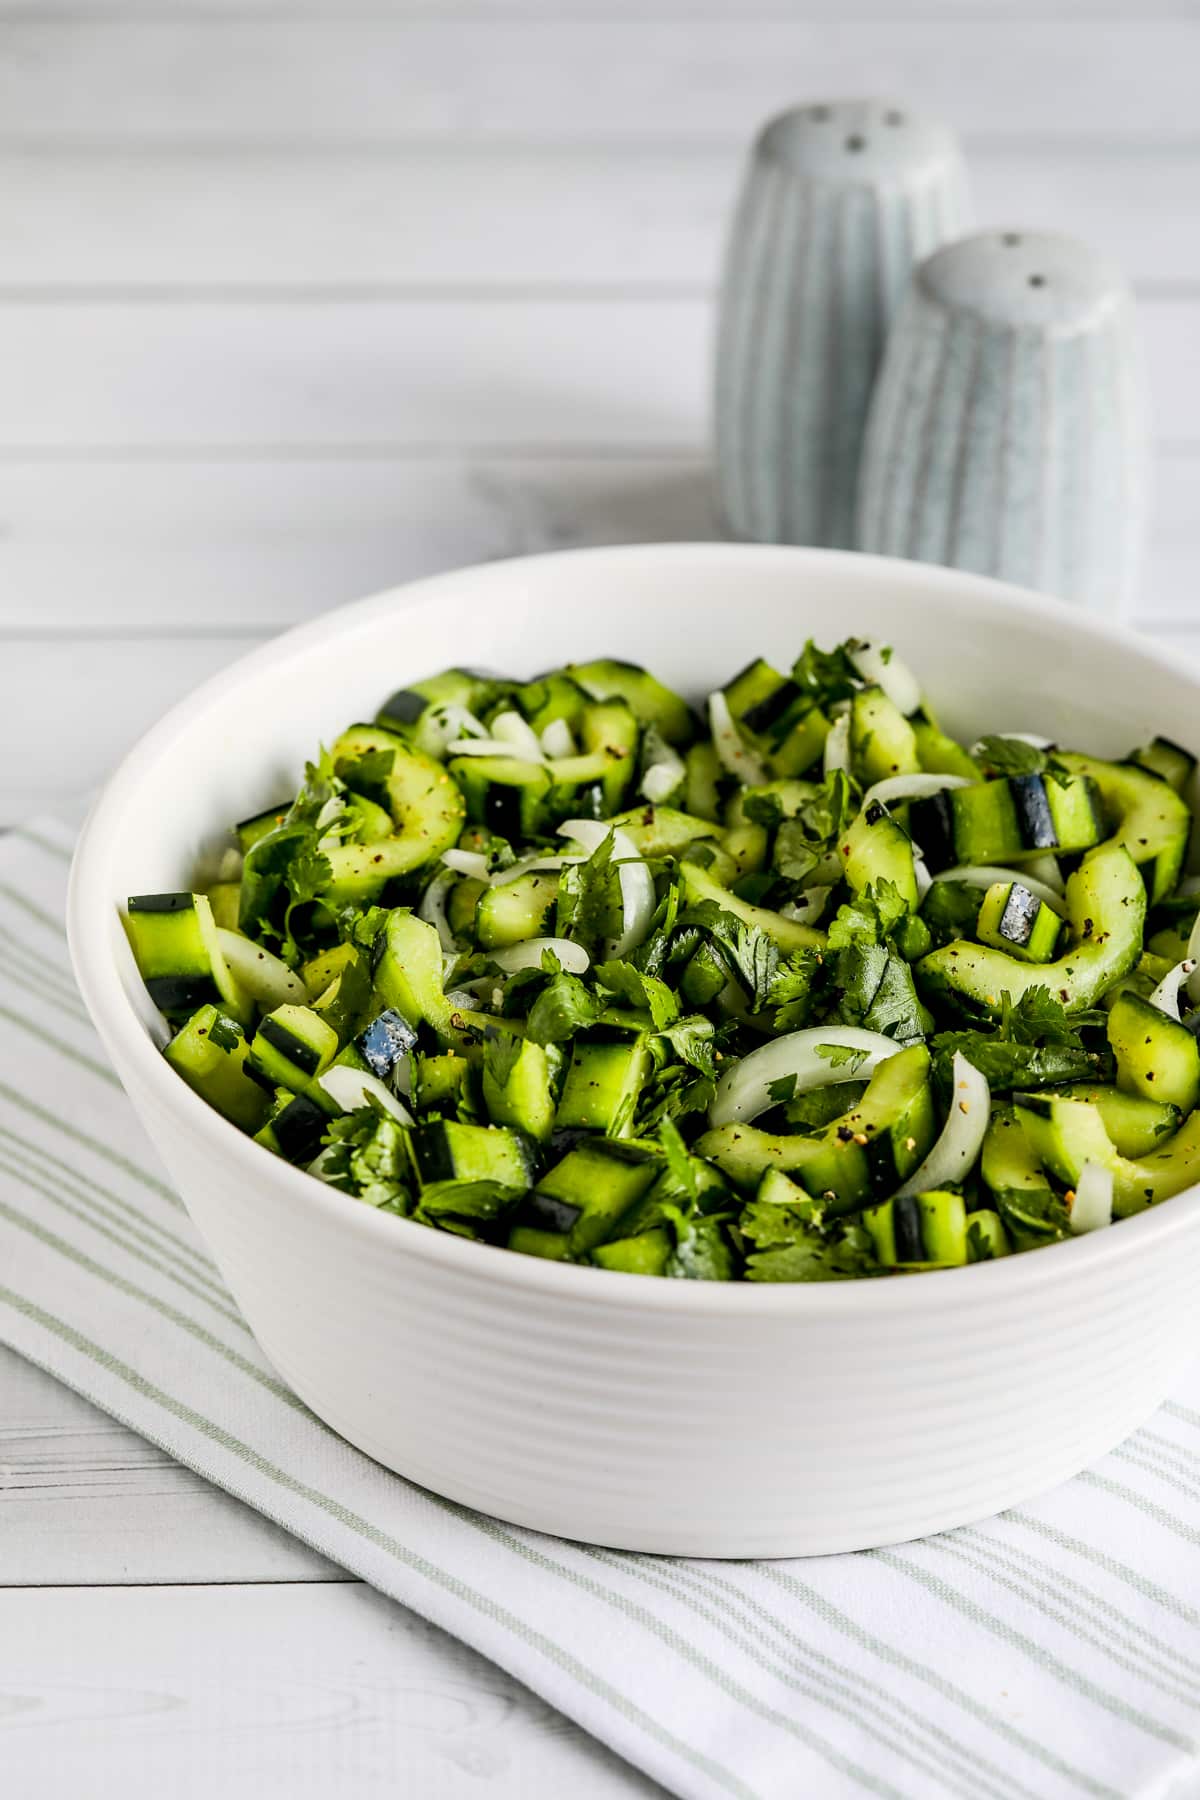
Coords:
839,202
1007,430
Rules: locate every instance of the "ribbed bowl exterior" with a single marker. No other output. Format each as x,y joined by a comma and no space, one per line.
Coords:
1007,431
680,1417
589,1416
838,203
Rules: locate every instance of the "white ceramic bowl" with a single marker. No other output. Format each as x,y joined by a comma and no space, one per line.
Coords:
680,1417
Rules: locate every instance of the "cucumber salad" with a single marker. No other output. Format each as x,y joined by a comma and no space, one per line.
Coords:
793,987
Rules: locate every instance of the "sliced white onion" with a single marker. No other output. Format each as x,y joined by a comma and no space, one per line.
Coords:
467,862
1021,737
532,865
910,787
732,748
886,670
263,975
351,1088
983,875
433,907
490,746
528,955
836,754
333,810
1092,1206
809,907
442,725
637,883
662,777
1193,956
744,1091
557,739
659,783
511,728
1045,868
923,878
230,866
1166,994
961,1136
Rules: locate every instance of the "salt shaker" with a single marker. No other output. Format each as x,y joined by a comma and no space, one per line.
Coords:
1007,430
840,201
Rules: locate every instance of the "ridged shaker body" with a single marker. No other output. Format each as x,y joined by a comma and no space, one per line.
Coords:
839,203
1007,430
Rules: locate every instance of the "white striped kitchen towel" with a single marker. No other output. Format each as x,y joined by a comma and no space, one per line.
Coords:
1052,1652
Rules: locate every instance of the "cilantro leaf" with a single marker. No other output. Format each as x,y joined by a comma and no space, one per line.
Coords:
781,1090
367,1156
1036,1043
589,907
763,809
841,1056
1009,756
691,1041
950,910
366,773
747,952
645,992
868,918
701,1252
795,989
680,1166
826,676
500,1053
789,1247
563,1007
309,874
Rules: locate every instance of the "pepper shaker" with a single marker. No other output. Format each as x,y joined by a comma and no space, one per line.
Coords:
1007,430
840,201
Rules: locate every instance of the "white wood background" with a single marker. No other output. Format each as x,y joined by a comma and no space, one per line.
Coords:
299,298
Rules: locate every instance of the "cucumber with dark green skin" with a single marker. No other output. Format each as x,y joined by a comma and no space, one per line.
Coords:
602,1085
864,1155
787,730
1134,1122
876,848
453,687
1169,761
209,1051
1157,1057
295,1131
1007,820
882,740
1033,1213
506,795
1106,909
1066,1134
508,912
662,830
575,1203
525,1099
447,1150
1017,922
646,1254
787,934
292,1046
1150,818
248,831
919,1230
426,808
608,678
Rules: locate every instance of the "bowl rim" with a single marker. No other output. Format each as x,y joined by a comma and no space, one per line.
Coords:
125,1036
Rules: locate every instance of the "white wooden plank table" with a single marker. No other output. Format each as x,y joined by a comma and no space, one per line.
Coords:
300,298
